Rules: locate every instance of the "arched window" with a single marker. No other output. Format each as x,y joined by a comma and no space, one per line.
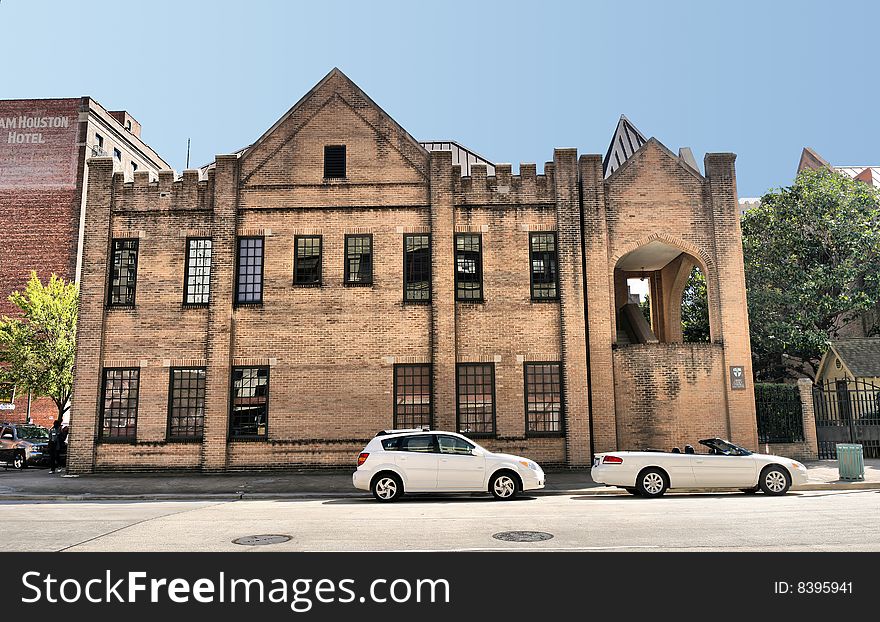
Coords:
660,296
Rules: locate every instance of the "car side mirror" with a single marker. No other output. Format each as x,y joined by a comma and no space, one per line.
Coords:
476,452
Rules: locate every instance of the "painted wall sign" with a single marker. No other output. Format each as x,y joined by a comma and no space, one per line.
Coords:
737,377
38,143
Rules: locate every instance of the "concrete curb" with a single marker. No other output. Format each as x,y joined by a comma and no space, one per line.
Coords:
264,496
840,486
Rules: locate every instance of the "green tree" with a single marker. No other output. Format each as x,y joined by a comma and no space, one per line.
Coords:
695,308
37,349
645,308
812,264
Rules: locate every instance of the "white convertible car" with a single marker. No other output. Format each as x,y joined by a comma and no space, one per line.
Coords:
719,464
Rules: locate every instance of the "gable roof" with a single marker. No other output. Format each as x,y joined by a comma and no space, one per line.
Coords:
335,75
654,143
626,141
867,174
870,174
461,155
860,356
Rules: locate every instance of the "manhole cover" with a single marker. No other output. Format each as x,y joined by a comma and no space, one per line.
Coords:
261,540
522,536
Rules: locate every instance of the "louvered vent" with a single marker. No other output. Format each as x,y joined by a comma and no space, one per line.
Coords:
334,162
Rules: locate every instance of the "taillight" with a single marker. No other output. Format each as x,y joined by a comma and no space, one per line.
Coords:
362,458
612,460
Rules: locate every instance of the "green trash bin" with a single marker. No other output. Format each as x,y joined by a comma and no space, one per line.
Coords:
850,461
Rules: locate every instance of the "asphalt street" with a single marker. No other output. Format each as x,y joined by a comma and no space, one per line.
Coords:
799,521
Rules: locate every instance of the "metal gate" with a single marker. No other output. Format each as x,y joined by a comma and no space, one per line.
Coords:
847,411
779,412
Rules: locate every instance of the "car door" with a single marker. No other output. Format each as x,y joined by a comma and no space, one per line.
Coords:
459,468
6,444
418,459
724,471
680,469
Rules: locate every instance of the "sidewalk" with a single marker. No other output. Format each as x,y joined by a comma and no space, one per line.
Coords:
39,485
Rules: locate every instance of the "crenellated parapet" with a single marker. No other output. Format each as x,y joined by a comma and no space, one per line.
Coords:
144,194
504,188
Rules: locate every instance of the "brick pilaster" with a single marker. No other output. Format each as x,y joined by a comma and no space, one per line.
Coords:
805,388
571,309
85,404
731,287
599,284
220,314
443,323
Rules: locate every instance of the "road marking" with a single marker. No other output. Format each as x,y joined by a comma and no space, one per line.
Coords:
140,522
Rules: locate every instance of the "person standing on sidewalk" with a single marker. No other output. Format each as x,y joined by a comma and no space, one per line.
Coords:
55,441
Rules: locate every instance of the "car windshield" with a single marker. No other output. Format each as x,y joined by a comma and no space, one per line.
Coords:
33,432
725,448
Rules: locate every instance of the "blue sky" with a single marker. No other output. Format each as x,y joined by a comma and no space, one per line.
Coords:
511,80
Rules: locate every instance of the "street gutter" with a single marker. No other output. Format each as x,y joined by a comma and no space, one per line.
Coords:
262,496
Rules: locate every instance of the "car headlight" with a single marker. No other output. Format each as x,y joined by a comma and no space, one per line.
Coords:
529,464
798,466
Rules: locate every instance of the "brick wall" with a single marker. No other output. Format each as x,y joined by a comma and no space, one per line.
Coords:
669,395
39,201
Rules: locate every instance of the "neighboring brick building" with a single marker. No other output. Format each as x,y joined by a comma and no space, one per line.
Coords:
44,146
336,278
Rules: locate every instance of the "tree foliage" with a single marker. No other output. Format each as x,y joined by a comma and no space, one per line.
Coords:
37,349
645,308
695,309
812,264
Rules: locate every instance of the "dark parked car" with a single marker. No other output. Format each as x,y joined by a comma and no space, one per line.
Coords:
25,444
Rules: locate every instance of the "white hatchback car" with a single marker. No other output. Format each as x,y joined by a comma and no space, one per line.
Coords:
398,461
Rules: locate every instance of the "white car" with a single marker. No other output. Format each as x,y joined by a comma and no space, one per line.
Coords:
398,461
720,464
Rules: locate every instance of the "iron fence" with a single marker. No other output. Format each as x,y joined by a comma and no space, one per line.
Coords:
779,412
847,411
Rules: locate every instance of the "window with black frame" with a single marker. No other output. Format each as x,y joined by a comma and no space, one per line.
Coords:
197,289
417,267
544,259
123,272
249,271
119,406
359,259
186,403
469,267
475,385
412,396
307,262
543,398
250,402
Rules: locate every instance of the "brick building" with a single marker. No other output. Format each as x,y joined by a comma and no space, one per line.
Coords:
336,278
44,147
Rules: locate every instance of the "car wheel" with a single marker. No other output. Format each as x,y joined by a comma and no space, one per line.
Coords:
632,491
503,486
750,491
775,480
387,487
19,461
652,483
